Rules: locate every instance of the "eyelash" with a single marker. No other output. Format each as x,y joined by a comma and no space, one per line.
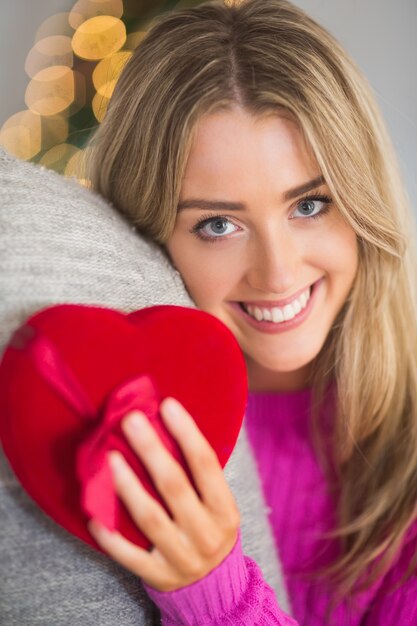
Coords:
208,218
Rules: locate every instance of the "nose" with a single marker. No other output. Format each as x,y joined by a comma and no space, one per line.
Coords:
273,264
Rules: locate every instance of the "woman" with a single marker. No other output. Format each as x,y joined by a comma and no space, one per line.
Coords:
246,126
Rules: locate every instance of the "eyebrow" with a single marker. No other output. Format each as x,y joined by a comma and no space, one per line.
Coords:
222,205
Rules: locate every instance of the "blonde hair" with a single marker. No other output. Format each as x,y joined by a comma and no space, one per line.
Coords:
269,56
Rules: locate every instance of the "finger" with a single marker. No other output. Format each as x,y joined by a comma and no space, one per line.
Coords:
151,567
169,477
149,515
132,557
201,458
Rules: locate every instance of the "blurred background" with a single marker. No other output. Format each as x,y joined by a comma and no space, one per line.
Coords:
60,60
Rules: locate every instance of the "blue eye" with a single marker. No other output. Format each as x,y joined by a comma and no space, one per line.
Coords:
214,227
308,206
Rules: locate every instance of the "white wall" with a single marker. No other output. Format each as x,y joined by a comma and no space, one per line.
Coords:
380,35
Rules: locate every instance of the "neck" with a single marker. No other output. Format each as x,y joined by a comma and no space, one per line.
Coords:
264,380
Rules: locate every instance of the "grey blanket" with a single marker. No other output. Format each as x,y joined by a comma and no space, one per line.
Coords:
61,243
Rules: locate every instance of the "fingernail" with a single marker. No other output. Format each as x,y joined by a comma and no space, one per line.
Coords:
135,422
173,407
98,530
172,412
116,461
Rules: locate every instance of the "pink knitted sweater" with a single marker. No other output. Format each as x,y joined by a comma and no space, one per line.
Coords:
301,506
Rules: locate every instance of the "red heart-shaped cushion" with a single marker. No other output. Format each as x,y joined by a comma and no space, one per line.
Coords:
72,372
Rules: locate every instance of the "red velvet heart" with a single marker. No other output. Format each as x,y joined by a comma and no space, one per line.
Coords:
72,372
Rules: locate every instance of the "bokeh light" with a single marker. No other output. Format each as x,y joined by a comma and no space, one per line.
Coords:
99,105
57,24
54,130
73,67
74,167
53,50
21,134
58,157
109,69
99,36
85,9
51,91
77,167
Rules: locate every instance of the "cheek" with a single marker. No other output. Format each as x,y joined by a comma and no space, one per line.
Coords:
349,251
209,273
339,252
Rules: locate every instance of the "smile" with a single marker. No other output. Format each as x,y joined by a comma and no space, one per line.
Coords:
275,319
279,314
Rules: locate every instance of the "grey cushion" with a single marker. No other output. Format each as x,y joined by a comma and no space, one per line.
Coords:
61,243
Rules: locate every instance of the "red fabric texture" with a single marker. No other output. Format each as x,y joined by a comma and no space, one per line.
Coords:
72,372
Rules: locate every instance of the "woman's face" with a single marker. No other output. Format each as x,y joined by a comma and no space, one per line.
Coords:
256,249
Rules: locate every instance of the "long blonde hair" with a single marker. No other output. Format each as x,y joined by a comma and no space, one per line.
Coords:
269,56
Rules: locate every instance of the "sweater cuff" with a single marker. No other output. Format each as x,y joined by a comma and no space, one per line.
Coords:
214,595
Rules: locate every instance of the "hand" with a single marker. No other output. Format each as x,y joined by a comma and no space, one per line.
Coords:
203,529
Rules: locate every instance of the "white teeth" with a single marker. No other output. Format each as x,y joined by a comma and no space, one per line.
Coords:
277,315
288,312
296,305
258,314
267,315
280,314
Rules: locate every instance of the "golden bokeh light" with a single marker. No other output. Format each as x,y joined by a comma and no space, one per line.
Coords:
74,65
21,135
51,91
109,69
75,167
86,9
99,105
53,50
98,37
57,24
54,131
54,90
58,157
106,90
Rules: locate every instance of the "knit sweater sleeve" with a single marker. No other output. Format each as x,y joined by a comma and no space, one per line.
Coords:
234,593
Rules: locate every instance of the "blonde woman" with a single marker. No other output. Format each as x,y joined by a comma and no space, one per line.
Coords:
243,140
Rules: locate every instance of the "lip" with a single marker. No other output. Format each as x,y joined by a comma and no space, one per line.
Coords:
270,327
268,304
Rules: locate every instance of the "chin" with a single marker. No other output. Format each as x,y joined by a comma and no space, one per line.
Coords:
287,364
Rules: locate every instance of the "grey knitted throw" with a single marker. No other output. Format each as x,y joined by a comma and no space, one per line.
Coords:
60,243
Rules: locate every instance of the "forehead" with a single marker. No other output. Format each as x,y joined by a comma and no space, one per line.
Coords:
233,146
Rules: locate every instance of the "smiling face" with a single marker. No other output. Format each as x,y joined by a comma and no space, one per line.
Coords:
271,260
